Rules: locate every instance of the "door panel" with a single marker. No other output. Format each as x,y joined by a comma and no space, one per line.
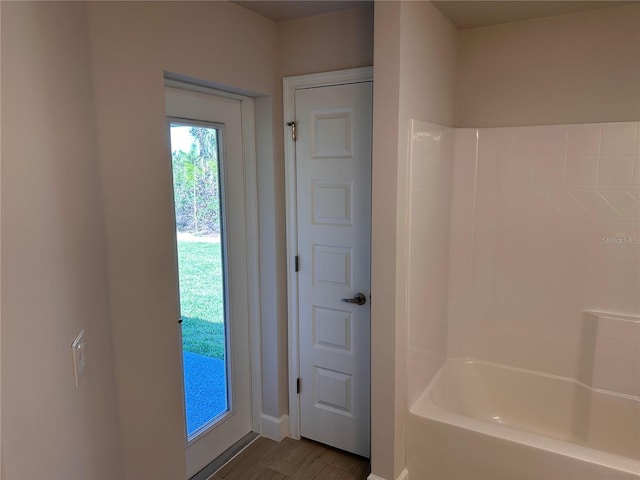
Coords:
333,162
225,113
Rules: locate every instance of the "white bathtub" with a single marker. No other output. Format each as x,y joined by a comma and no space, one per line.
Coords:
478,420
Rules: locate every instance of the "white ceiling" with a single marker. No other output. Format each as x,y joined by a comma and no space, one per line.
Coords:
280,10
463,14
472,14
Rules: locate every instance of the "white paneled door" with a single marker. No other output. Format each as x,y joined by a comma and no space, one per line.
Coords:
333,176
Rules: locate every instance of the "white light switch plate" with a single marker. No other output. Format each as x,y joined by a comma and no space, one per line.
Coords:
79,360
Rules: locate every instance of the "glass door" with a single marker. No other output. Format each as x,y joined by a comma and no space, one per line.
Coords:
195,161
211,250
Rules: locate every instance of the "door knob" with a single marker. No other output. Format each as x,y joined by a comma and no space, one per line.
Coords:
359,299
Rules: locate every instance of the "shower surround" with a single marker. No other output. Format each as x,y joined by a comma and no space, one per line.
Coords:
545,224
543,298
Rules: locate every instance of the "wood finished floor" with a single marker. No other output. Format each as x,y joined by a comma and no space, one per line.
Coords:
292,459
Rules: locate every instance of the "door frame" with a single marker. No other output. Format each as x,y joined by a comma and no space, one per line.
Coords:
252,235
290,85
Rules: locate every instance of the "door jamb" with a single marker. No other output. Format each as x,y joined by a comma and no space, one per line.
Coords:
290,85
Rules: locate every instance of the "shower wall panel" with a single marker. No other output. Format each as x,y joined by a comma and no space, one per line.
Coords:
545,225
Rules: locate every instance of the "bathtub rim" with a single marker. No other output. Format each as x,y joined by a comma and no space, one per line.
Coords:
425,407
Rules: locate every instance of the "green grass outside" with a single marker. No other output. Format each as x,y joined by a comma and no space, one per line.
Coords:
201,297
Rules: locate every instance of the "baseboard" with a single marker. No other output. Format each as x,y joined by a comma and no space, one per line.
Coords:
404,475
274,428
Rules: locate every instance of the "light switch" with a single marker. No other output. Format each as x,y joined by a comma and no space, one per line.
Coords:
79,359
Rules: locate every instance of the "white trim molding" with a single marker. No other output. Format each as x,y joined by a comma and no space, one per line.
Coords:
274,428
404,475
290,85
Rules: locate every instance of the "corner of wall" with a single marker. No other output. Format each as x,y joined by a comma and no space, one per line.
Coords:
274,428
404,475
384,387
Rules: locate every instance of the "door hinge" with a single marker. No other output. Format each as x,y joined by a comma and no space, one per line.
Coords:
297,263
294,136
297,385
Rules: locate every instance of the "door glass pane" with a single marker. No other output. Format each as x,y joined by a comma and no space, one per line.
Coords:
197,197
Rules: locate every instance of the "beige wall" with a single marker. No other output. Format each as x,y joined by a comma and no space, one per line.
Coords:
53,254
322,43
132,45
575,68
386,93
427,66
414,49
273,289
